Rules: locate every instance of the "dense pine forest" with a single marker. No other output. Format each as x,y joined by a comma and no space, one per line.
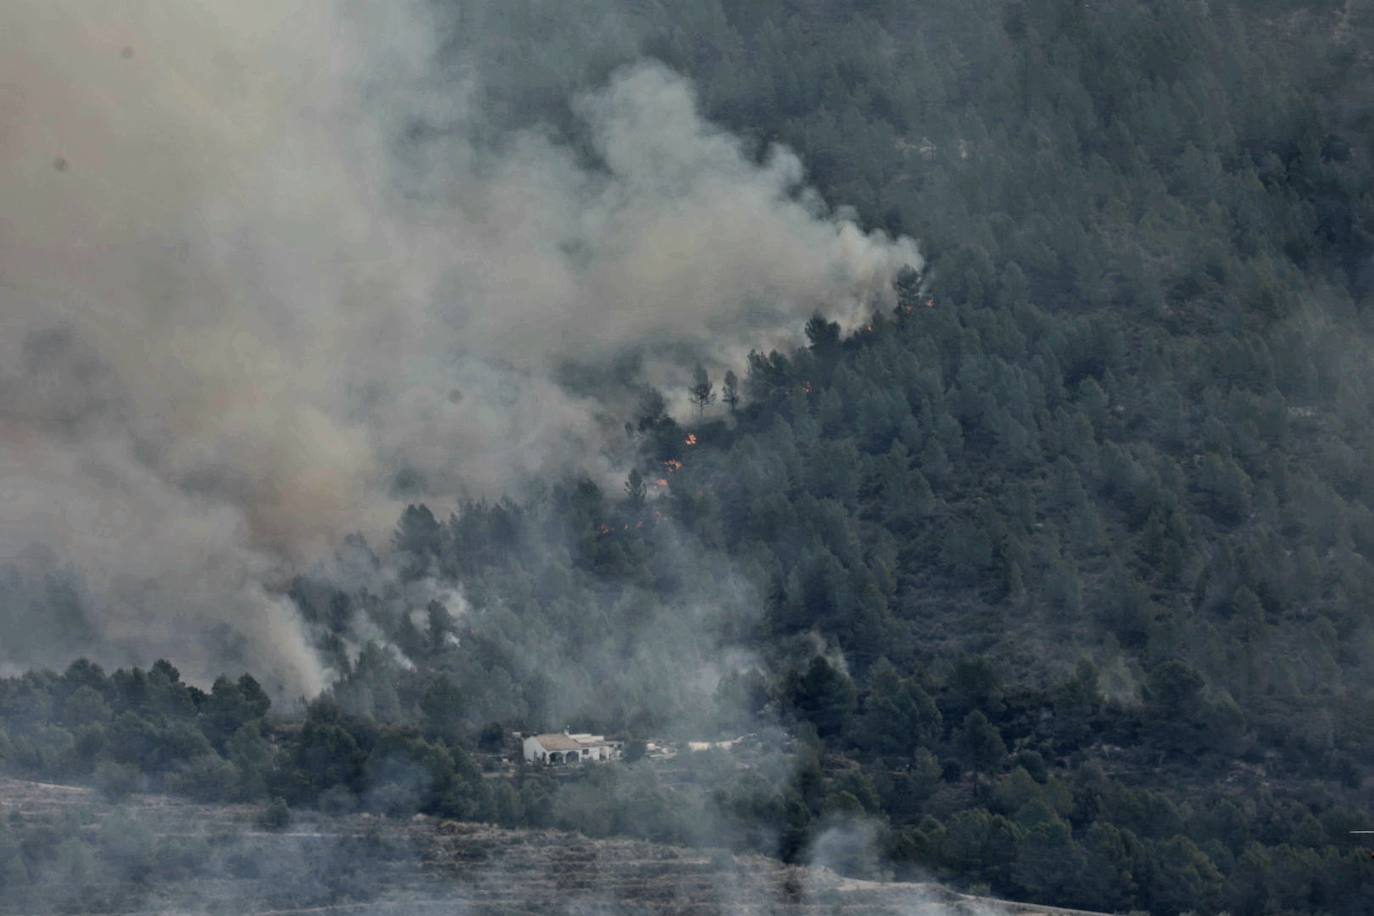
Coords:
1052,581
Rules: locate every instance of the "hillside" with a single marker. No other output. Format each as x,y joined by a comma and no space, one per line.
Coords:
1042,569
159,855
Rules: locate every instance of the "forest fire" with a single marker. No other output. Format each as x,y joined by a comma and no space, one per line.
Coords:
1056,598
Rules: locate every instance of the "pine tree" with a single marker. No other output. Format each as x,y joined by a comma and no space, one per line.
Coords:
730,391
980,744
702,392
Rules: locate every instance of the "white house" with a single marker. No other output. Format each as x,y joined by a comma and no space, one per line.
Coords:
696,746
562,748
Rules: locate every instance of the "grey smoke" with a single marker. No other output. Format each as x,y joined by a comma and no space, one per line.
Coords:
272,262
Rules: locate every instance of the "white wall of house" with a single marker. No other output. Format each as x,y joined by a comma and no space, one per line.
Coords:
534,751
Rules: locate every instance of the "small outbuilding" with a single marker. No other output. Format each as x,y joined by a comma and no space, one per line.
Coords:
562,748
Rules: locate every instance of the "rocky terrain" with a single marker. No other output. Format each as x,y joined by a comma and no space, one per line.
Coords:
153,854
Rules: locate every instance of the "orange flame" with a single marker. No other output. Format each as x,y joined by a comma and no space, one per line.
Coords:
691,439
662,482
930,303
673,465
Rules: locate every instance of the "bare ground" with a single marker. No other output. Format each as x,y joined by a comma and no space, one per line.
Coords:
214,859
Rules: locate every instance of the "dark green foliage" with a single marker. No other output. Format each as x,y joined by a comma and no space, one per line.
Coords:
823,696
897,717
979,743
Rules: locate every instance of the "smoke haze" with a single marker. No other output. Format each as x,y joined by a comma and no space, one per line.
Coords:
265,275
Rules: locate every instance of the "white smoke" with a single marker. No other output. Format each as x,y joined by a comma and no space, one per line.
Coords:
257,261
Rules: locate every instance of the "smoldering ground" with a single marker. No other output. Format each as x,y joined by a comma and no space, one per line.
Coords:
71,850
259,263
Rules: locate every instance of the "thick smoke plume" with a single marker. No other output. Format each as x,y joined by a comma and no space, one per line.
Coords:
265,275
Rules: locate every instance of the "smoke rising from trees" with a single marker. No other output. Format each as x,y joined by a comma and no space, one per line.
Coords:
268,272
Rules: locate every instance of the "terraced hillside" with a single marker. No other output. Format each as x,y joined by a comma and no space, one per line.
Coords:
152,854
